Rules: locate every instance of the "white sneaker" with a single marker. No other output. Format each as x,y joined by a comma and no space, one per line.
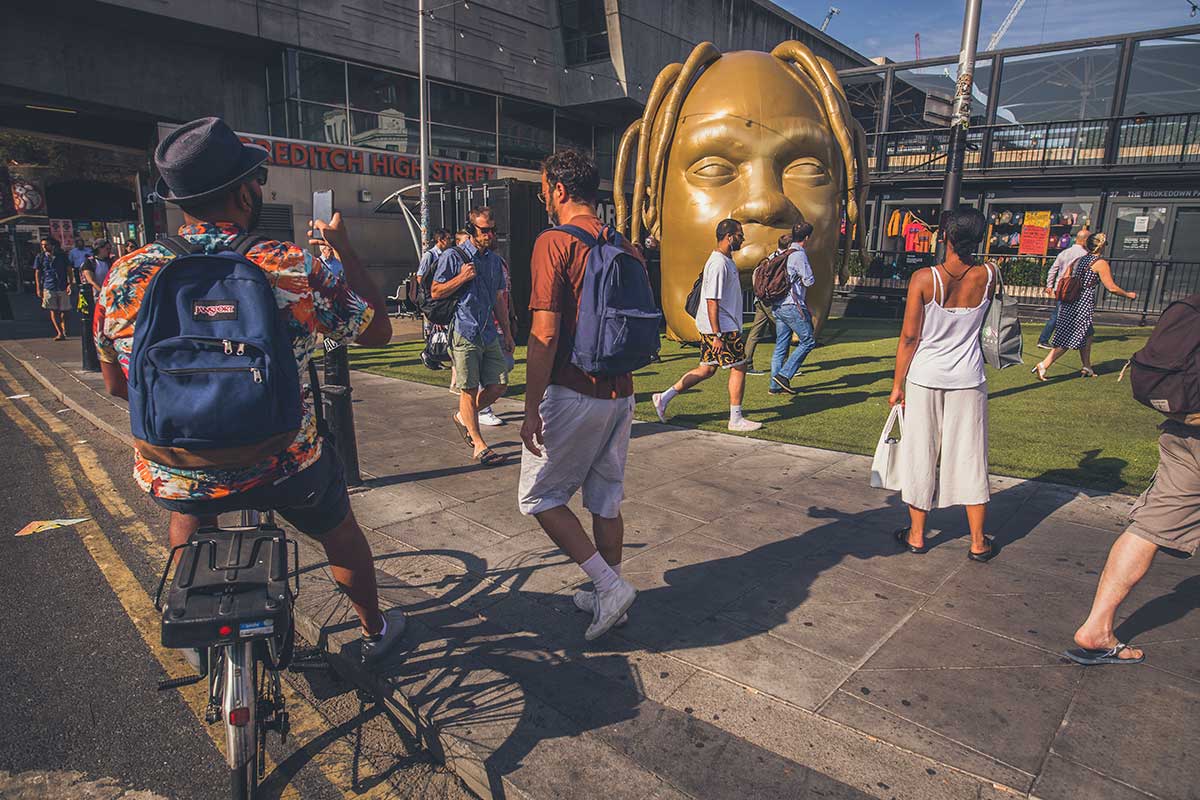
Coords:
610,606
743,425
660,407
489,418
585,600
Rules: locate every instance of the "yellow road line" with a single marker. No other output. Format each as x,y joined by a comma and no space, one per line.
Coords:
335,759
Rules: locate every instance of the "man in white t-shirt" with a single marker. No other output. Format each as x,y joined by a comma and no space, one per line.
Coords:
719,320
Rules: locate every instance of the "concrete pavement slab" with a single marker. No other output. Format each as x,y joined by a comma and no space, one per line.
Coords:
1141,734
1065,780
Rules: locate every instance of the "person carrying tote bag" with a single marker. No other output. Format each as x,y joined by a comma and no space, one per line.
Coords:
1000,336
886,467
941,384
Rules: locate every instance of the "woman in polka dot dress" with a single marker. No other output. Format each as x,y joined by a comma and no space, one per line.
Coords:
1073,331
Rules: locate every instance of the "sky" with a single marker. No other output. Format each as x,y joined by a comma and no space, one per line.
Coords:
892,23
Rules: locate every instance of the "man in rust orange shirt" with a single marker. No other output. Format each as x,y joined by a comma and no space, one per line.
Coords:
577,425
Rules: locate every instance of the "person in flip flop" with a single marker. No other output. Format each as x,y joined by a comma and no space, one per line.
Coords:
1166,517
474,272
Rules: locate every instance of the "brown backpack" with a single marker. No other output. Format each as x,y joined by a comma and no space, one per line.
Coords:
1070,283
771,281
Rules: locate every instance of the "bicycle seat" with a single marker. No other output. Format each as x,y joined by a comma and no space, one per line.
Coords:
231,585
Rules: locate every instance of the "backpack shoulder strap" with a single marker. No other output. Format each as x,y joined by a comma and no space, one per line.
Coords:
179,246
463,254
579,233
244,243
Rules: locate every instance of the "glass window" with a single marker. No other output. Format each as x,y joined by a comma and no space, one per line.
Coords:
606,151
462,144
319,80
1164,77
316,123
386,130
922,97
376,90
584,30
450,105
526,133
865,94
572,133
1064,85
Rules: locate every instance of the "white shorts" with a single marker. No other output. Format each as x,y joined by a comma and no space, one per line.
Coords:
585,443
950,426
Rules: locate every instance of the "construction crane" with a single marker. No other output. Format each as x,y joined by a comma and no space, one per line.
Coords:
917,44
833,12
1004,26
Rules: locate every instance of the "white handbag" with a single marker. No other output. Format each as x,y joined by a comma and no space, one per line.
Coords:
885,467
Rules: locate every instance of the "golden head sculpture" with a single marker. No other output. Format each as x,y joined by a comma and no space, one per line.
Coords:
764,138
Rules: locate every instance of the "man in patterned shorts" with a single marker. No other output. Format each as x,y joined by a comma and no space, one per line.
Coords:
719,320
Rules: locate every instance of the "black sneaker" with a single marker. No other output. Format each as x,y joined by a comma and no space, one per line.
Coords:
376,647
782,384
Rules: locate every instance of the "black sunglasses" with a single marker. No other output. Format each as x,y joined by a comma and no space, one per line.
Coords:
260,176
485,230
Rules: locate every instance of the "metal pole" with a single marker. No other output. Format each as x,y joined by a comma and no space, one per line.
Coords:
422,99
961,118
339,413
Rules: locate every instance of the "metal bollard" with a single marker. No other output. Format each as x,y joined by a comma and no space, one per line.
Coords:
339,413
91,359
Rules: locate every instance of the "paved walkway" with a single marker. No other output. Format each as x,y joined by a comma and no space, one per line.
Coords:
781,645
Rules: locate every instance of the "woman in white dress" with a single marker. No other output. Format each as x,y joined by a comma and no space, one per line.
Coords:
940,382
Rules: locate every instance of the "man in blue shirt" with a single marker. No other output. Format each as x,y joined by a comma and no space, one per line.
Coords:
441,240
480,369
792,316
52,277
79,253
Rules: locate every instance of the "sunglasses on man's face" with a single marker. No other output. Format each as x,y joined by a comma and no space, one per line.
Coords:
484,231
260,177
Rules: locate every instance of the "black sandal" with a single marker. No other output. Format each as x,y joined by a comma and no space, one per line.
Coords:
462,429
490,458
986,555
901,537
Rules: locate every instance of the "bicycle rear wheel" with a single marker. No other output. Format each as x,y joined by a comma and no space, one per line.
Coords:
243,781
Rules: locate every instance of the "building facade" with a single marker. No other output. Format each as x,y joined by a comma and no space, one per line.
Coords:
1102,134
331,89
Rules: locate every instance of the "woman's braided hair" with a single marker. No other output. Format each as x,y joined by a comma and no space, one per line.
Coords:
653,133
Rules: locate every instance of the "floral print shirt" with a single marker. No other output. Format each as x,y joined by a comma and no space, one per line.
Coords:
313,299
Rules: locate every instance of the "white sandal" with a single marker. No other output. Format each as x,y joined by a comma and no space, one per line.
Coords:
1039,370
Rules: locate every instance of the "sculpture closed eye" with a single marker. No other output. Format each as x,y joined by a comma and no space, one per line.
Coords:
712,171
808,170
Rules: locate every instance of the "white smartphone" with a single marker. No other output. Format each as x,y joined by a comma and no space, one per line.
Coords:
322,208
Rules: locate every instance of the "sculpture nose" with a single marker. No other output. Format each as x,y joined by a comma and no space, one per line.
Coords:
764,202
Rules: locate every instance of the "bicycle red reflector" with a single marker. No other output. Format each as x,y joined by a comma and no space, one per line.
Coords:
225,630
239,716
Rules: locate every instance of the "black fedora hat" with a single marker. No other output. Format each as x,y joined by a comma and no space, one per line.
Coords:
202,157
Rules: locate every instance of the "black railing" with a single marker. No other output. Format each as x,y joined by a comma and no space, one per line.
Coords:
1157,283
1165,139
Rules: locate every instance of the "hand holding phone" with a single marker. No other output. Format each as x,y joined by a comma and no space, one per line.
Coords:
322,208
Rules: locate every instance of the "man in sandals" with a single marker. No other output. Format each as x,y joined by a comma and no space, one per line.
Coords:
1166,517
475,273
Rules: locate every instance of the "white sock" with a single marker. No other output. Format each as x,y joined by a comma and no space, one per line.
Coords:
382,630
602,575
668,396
735,413
487,410
616,568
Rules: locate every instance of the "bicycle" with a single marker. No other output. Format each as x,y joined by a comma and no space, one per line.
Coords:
232,601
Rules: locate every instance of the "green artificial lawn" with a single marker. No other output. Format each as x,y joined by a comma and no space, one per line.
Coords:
1072,430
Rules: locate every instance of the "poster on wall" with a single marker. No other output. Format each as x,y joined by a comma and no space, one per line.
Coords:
1035,234
64,231
27,196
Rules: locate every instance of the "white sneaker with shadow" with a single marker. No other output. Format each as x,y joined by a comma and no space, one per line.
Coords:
585,600
609,607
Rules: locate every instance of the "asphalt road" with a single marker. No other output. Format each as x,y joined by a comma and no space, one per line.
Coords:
81,708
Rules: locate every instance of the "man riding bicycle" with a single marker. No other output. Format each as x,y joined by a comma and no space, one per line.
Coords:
216,180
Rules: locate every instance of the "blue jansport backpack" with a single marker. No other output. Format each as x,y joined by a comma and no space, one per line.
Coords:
212,378
617,330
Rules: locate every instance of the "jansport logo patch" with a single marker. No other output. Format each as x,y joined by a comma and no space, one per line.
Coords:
209,310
